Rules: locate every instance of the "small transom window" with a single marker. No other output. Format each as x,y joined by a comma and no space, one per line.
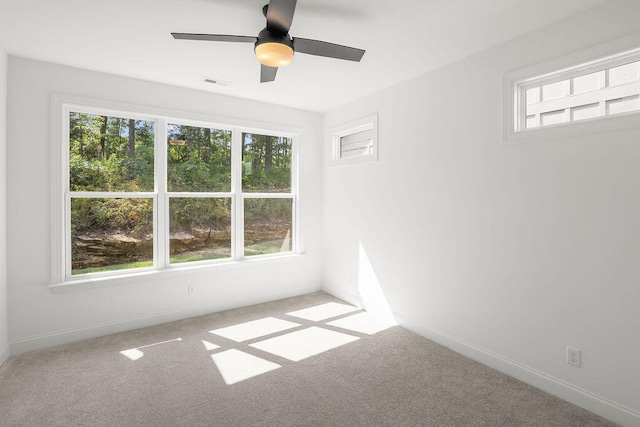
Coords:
592,90
355,141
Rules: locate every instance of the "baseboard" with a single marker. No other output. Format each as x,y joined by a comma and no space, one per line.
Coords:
39,342
575,395
4,354
344,296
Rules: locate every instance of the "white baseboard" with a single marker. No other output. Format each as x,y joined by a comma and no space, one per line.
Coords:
4,354
344,296
575,395
39,342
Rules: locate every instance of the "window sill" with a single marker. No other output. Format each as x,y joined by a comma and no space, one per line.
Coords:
85,283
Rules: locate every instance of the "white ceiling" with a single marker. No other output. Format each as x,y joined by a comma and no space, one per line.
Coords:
403,38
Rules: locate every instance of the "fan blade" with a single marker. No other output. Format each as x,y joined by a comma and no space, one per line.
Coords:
267,74
280,15
214,37
330,50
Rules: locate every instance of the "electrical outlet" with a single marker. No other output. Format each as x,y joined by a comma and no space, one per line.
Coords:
574,356
191,289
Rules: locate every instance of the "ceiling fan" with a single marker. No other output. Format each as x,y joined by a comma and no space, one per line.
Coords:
274,47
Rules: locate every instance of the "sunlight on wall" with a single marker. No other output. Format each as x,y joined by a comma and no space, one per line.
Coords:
373,298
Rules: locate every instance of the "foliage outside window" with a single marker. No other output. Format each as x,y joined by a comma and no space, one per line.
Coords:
266,164
155,192
198,163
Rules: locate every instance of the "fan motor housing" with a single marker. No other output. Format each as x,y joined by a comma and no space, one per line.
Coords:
266,36
273,50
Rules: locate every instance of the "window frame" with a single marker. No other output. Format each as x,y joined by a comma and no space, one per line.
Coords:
165,255
591,60
353,127
237,143
61,274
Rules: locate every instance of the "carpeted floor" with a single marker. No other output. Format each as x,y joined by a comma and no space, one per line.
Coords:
281,369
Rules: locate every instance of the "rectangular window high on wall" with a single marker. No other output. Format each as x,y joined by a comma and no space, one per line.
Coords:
588,91
355,142
143,192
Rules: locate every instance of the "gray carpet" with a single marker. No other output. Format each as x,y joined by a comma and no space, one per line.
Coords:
389,378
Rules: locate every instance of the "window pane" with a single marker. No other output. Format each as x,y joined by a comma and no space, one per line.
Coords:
532,122
554,90
357,144
585,112
623,105
200,228
267,226
111,234
266,163
198,159
553,117
624,74
110,153
587,83
533,95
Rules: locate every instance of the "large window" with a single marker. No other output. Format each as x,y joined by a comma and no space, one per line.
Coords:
144,192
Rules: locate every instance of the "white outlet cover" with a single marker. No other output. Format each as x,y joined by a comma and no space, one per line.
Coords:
574,356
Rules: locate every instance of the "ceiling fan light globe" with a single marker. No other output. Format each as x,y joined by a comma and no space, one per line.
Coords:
273,54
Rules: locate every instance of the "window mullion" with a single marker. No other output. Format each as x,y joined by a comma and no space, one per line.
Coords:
237,207
296,241
161,223
67,234
66,202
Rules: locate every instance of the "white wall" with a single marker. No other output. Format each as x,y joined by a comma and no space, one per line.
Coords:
4,331
38,317
505,252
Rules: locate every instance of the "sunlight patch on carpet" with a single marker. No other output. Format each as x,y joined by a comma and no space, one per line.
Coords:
209,346
136,353
236,366
364,323
323,311
254,329
302,344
